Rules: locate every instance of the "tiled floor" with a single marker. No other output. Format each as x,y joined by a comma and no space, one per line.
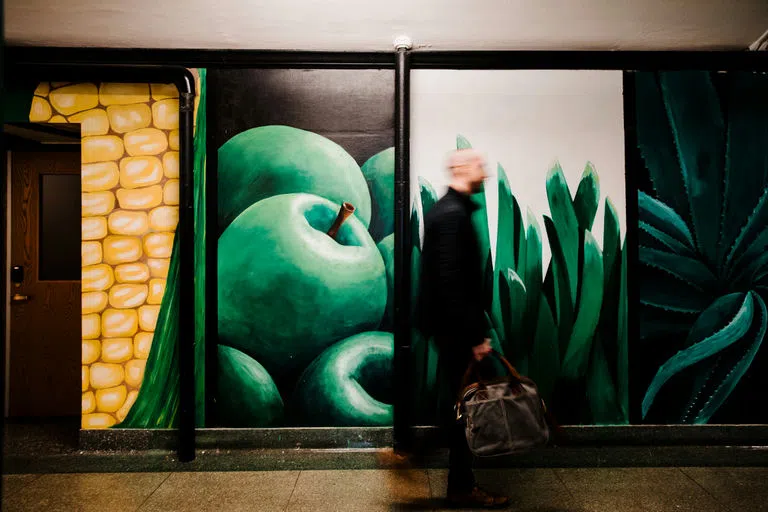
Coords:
540,490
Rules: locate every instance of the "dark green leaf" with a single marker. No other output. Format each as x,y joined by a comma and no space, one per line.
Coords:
587,198
660,216
697,125
533,269
544,365
587,311
601,389
622,364
693,272
657,146
661,289
746,159
428,195
649,236
704,347
561,288
566,225
751,232
513,299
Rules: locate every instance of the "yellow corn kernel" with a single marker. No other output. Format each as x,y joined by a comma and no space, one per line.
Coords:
40,110
101,148
171,164
116,350
165,114
126,118
91,326
75,98
171,192
124,296
97,420
58,119
148,317
92,122
164,91
158,245
111,399
125,222
156,290
140,198
93,228
121,249
123,94
141,345
120,323
94,302
56,85
140,171
134,372
147,141
43,88
90,351
173,140
164,218
85,378
132,273
99,176
88,403
97,278
129,401
158,267
90,253
97,203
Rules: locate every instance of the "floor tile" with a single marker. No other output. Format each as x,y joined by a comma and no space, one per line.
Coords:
14,483
636,490
230,491
85,492
738,489
350,490
530,490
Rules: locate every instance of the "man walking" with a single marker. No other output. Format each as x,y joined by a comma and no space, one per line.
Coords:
452,306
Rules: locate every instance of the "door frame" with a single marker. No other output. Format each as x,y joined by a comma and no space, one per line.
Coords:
36,71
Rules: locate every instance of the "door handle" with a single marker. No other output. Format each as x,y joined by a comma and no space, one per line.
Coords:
19,299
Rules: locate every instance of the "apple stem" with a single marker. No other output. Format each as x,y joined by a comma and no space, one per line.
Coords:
344,212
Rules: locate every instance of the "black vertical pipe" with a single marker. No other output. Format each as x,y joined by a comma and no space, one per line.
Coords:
186,233
402,299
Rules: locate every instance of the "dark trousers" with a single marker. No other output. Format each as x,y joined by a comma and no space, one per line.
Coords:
460,475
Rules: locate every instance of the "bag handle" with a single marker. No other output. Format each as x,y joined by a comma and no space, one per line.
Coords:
473,367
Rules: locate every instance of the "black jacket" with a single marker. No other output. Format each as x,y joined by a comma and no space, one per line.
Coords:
451,284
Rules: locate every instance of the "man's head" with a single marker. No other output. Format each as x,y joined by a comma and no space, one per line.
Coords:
467,168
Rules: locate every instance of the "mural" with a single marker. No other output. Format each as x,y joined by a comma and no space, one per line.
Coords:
702,173
555,290
305,204
130,197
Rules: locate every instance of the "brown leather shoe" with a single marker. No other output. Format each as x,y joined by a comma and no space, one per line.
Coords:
477,498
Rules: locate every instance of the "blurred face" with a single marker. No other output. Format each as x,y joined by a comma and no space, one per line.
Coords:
468,168
476,174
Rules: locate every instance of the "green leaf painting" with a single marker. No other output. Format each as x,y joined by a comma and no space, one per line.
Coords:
703,233
560,324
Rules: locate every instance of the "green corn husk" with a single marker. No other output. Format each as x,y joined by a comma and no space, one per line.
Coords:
158,401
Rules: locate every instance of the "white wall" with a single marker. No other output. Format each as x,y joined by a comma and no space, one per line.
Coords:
525,120
356,25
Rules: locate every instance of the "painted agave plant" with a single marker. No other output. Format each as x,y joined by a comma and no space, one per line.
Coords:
703,234
567,330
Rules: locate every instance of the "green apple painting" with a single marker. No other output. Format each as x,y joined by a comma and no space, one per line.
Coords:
303,287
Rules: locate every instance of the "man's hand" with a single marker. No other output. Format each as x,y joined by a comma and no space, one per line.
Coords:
481,351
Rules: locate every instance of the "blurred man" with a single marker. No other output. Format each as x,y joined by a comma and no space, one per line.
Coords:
451,303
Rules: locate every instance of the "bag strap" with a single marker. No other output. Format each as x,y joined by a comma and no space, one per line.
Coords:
472,368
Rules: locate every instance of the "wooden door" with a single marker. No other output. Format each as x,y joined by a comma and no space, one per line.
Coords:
45,306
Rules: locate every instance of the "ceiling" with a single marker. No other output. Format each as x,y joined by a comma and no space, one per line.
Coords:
352,25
